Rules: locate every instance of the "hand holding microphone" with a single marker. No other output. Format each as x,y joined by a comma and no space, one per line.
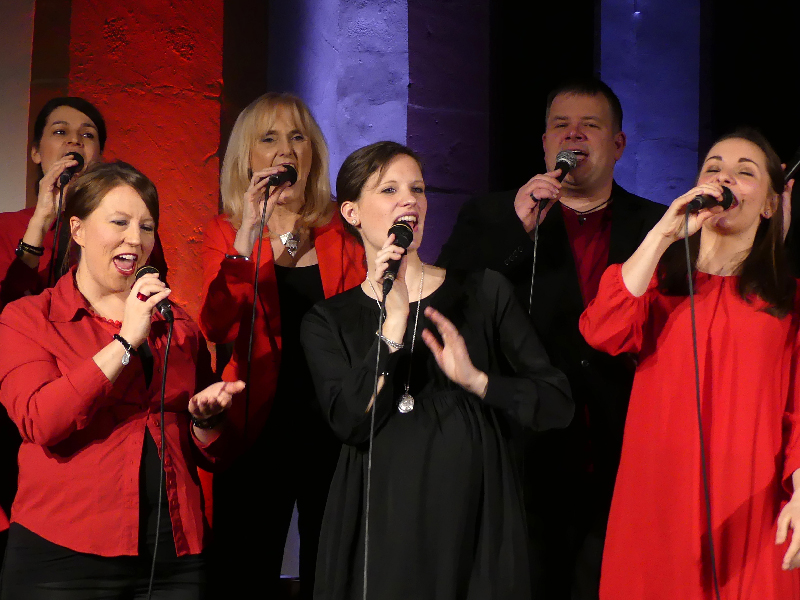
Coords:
533,198
147,294
70,172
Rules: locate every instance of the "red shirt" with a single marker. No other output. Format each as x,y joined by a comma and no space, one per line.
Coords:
590,239
228,298
82,436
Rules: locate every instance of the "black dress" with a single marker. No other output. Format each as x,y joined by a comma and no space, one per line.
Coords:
446,520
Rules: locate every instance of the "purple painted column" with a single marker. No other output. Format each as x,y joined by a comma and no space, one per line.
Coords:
650,56
448,107
348,60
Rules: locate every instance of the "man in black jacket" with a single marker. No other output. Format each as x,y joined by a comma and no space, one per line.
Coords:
586,223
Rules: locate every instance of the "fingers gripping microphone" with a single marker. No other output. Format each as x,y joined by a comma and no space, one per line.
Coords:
566,160
706,201
68,173
164,307
290,175
403,236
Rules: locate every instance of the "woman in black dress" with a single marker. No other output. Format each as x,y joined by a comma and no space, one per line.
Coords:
446,518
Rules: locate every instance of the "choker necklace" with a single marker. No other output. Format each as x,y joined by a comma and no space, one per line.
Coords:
406,403
582,213
290,241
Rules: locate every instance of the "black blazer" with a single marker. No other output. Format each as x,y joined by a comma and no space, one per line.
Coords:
488,233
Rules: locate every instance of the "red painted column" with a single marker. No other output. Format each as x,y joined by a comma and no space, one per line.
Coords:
154,69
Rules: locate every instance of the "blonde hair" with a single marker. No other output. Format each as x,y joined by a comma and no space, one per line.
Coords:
250,125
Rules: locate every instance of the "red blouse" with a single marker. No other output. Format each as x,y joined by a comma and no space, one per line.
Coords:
657,539
228,299
82,436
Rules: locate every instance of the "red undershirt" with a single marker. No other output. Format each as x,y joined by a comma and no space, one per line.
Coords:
590,239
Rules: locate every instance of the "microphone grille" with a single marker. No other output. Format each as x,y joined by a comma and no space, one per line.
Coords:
403,234
145,270
291,174
568,157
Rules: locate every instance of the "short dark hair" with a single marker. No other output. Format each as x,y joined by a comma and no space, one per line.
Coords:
360,166
588,86
79,104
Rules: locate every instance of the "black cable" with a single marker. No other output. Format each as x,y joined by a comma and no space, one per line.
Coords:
51,278
381,318
540,205
253,316
163,454
703,460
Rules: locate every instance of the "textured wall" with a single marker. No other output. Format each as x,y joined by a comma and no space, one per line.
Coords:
155,73
448,107
16,31
349,60
650,56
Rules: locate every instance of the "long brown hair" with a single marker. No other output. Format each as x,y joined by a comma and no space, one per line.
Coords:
764,272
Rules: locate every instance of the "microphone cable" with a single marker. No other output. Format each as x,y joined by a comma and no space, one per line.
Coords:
51,278
163,455
381,318
253,314
703,458
540,206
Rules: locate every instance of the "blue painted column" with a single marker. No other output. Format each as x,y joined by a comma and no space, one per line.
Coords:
348,60
650,56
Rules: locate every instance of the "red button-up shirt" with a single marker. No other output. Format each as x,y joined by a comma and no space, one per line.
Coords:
82,436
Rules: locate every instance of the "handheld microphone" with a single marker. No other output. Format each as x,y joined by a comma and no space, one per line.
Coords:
792,167
705,201
566,160
68,173
403,236
290,175
164,307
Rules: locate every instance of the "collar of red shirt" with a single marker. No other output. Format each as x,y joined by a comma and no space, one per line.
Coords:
67,302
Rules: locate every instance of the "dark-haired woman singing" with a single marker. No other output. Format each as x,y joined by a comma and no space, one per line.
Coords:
748,346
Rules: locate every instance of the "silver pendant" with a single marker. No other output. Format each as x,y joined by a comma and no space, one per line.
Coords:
291,242
406,404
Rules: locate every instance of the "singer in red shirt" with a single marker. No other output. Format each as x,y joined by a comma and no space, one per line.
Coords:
289,454
747,310
63,126
81,379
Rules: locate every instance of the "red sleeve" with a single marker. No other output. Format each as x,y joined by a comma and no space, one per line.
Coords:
3,520
791,423
227,286
45,404
614,320
16,278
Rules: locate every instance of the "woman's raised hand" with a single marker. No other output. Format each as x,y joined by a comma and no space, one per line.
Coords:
671,225
45,213
215,399
146,292
254,199
452,355
394,327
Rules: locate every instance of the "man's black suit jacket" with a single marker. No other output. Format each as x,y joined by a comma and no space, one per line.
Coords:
488,233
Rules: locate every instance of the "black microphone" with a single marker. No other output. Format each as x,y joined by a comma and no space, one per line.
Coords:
706,201
793,167
566,160
164,307
403,236
290,175
67,173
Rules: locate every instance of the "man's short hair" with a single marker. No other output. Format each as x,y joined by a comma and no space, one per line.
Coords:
588,86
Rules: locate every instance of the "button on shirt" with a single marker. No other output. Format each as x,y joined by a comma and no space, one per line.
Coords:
82,436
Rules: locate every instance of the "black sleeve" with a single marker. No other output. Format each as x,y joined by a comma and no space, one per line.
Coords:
345,383
537,395
487,234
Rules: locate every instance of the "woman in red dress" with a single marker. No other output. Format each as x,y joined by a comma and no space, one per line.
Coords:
749,365
289,452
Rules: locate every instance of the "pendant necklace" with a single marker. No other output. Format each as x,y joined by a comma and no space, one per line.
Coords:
406,403
290,241
582,213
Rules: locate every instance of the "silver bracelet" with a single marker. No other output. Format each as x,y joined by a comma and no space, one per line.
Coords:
237,257
390,343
